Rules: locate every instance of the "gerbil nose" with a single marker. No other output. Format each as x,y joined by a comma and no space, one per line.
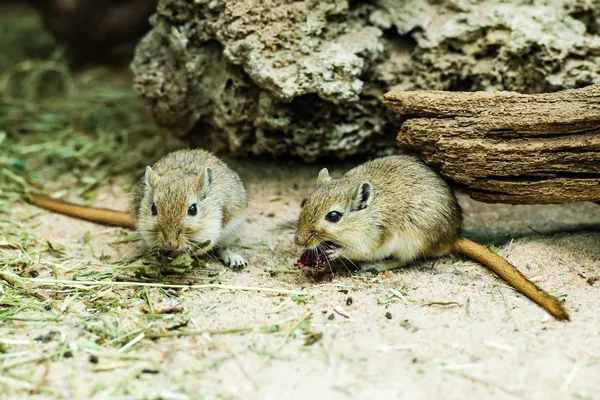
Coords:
171,245
171,242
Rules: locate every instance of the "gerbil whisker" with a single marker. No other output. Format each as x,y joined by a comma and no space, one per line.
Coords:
197,257
339,256
321,249
196,246
328,263
350,261
342,257
325,254
288,223
212,257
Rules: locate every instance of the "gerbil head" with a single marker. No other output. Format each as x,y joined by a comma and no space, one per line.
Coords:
178,211
337,218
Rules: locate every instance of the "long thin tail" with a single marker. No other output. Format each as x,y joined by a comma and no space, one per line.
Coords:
511,275
98,215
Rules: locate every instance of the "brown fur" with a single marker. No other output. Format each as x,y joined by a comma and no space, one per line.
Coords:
176,181
411,214
407,196
180,178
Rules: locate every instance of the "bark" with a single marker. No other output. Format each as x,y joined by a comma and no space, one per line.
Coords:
507,147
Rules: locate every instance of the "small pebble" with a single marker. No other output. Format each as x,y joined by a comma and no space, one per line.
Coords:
93,359
67,354
34,273
149,371
388,315
343,291
331,317
47,337
349,301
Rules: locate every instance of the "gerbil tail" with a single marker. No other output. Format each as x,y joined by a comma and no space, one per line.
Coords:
98,215
511,275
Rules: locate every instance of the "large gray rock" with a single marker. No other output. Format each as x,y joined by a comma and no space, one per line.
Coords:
304,78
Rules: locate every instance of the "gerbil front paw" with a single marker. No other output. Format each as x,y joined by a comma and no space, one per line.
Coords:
235,261
231,259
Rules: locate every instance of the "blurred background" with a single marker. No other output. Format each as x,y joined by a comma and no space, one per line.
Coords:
83,82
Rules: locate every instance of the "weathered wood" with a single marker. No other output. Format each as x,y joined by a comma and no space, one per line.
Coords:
506,147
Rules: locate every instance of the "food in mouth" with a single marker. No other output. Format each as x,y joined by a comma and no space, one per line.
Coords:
314,258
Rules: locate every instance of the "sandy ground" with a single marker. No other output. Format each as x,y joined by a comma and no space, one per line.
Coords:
491,342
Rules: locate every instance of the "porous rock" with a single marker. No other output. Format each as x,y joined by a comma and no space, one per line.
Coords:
305,78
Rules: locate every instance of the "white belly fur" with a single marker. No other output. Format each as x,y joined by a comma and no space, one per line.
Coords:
230,232
404,248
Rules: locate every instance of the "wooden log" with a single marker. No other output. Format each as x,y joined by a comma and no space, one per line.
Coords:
507,147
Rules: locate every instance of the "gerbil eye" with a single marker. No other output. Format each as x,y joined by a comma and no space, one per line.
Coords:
154,211
333,216
192,210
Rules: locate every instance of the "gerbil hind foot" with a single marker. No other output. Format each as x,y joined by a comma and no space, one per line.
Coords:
231,259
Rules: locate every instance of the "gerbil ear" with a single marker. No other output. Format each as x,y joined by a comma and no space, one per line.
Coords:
206,179
150,177
362,196
323,177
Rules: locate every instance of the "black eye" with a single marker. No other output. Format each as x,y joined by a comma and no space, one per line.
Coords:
154,212
192,210
333,216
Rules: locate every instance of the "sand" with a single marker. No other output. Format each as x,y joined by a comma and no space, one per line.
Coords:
487,341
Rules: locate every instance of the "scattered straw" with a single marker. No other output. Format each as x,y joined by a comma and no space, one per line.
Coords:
132,342
484,383
24,361
68,283
200,333
399,295
442,304
570,377
16,383
13,282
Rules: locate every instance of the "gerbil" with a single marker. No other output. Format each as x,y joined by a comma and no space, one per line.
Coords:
396,208
187,200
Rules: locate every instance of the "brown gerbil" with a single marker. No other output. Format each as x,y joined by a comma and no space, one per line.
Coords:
396,208
187,200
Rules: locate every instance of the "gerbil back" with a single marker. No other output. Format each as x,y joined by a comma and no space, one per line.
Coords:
412,195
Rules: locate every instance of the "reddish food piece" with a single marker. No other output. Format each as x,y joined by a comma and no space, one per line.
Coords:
313,259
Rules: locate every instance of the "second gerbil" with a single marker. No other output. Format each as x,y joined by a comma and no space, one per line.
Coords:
395,210
187,200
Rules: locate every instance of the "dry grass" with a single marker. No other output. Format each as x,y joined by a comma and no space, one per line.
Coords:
83,314
65,132
64,129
